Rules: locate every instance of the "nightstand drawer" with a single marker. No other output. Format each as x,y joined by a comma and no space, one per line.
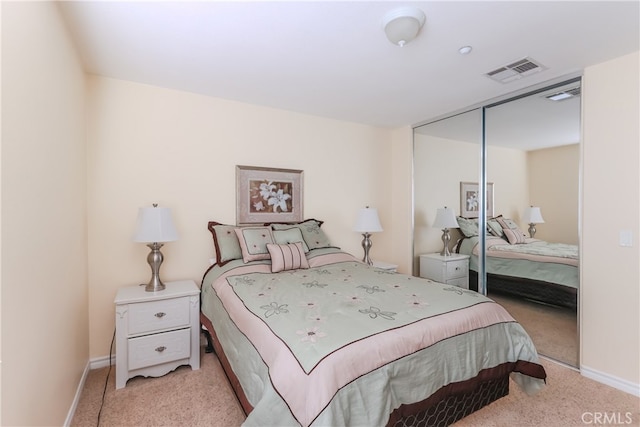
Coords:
159,348
460,282
156,331
457,269
158,315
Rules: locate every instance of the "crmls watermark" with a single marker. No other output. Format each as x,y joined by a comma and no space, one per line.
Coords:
607,418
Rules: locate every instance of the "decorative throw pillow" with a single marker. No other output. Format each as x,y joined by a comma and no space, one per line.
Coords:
494,226
468,226
312,234
287,257
225,242
512,225
290,235
253,242
514,236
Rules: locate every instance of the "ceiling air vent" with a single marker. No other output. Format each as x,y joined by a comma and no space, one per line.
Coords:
565,94
517,70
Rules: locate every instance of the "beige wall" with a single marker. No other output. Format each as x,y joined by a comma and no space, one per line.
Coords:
554,176
402,198
147,144
45,336
507,169
610,276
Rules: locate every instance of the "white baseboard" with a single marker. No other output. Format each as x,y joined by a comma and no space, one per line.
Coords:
610,380
102,362
76,398
97,363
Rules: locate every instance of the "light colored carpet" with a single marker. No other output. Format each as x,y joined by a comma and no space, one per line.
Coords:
204,398
568,400
554,330
181,398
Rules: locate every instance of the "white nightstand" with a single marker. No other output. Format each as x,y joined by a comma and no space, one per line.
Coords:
452,269
157,331
386,266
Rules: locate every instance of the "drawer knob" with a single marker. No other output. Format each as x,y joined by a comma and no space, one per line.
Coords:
457,268
161,349
160,315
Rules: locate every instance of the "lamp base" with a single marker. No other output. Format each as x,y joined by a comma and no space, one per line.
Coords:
366,245
532,230
155,259
446,238
154,285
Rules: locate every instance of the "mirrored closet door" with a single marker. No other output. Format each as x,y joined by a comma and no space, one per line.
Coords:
446,153
529,161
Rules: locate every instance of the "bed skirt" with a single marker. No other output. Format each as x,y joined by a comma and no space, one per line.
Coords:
231,376
545,292
448,405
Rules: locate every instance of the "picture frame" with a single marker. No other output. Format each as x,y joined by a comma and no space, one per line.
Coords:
469,207
268,195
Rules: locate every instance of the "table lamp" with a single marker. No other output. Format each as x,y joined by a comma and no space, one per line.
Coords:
155,227
532,216
446,219
367,223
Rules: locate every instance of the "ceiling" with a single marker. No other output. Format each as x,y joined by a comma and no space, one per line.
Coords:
332,59
529,122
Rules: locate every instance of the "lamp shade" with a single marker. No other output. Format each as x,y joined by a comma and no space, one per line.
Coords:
446,218
154,224
402,25
368,221
532,215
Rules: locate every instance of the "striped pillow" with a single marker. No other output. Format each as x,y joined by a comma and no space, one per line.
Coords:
514,235
287,257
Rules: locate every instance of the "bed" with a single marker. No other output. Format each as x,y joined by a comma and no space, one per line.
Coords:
524,267
309,335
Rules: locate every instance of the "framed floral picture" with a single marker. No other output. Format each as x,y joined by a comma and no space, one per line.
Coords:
470,202
268,195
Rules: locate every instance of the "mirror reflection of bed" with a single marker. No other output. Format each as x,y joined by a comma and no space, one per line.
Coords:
547,308
532,158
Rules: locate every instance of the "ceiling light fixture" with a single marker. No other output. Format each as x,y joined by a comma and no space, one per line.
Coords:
464,50
565,94
402,25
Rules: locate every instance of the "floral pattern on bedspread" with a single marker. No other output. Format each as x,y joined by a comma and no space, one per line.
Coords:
417,350
317,311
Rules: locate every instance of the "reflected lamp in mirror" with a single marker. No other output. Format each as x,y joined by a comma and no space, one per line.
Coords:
446,219
532,216
368,222
155,227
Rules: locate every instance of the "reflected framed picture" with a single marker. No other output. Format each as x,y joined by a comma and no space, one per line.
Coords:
268,195
470,202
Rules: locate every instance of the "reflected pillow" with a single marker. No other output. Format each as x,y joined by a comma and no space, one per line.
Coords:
512,224
494,227
287,257
512,232
253,242
468,226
